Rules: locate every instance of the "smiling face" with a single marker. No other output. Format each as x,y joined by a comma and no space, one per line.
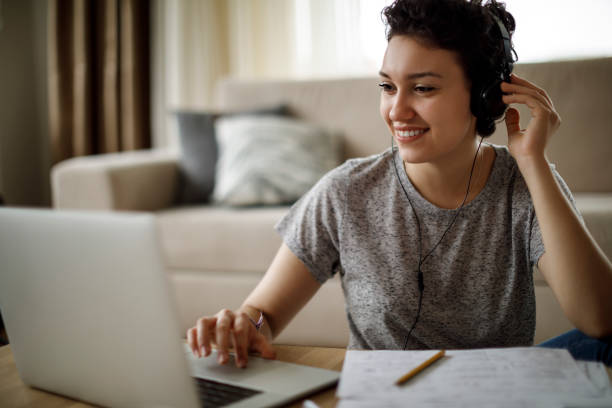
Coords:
425,101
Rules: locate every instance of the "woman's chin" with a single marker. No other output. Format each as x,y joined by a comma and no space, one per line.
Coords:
410,155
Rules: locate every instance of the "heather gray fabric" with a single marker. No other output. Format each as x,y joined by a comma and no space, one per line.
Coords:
478,282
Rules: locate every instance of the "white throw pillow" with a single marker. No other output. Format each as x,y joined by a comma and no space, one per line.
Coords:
270,159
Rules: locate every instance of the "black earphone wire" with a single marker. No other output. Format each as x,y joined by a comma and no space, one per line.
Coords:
423,259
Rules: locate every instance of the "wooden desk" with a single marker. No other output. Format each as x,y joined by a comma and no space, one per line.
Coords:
14,393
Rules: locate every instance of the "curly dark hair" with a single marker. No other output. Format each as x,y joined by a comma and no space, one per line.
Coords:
463,26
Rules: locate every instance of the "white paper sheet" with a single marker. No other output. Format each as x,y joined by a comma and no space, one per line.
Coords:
510,377
597,375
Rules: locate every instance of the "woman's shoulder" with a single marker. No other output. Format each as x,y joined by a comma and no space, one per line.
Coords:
353,173
505,169
506,163
364,167
503,158
507,173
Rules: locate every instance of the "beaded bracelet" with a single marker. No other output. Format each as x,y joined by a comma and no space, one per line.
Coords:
259,321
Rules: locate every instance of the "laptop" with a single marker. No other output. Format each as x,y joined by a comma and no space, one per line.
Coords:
89,315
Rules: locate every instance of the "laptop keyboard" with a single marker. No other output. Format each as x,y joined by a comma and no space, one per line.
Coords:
216,394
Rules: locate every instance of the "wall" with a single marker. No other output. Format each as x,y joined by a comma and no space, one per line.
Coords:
24,153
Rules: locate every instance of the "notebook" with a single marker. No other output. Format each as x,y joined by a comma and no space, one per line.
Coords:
89,315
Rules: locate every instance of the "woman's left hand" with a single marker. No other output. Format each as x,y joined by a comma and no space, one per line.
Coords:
529,144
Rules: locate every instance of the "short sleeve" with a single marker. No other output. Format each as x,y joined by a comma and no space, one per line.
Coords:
537,249
311,228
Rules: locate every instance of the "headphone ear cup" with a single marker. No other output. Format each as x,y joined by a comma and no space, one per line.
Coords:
490,104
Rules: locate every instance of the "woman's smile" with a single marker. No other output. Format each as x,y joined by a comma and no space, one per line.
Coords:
409,134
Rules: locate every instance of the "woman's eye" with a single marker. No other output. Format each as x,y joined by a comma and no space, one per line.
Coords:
385,87
423,89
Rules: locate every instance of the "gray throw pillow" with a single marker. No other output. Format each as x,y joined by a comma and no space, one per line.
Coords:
270,160
199,151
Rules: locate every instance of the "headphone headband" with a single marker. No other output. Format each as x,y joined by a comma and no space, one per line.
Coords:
486,100
508,61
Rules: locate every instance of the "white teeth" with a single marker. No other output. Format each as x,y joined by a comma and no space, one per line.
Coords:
410,133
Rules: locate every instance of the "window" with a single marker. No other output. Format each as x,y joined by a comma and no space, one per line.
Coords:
348,37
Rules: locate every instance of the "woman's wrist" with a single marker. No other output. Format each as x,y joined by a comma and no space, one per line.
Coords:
529,166
259,322
257,318
251,312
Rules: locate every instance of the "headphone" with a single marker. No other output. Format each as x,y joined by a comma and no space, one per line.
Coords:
487,102
489,105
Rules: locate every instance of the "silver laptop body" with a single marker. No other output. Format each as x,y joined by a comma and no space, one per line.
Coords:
89,315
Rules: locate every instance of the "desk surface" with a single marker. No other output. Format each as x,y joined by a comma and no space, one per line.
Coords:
14,393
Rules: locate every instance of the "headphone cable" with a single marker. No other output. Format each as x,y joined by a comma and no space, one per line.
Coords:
422,260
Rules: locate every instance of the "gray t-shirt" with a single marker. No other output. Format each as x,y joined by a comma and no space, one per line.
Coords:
356,221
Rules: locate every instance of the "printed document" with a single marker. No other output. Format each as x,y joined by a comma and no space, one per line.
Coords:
508,377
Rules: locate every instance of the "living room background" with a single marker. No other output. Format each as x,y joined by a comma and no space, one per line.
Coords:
195,42
199,41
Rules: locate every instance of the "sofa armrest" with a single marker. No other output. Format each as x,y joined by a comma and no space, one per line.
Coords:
144,180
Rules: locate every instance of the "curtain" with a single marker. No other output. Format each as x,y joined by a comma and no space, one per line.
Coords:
190,53
99,81
198,42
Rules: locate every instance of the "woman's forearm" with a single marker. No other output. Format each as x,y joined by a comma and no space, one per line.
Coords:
575,267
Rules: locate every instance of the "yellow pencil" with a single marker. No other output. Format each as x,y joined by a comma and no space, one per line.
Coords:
420,368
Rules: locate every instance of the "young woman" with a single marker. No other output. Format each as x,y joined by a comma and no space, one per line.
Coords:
435,240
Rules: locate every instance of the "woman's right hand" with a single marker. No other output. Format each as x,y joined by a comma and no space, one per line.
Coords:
227,329
285,288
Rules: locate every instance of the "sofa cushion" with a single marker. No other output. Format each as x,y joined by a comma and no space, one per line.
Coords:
270,160
199,150
209,238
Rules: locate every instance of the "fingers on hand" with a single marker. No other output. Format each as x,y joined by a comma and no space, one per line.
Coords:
240,336
512,120
536,94
227,329
206,334
261,344
199,337
225,322
536,98
193,342
525,83
525,99
538,110
537,107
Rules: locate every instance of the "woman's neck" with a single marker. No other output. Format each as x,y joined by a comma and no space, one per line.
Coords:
444,182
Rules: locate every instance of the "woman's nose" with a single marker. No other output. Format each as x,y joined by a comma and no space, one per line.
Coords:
402,109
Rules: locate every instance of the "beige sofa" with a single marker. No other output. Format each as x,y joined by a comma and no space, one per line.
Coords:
215,256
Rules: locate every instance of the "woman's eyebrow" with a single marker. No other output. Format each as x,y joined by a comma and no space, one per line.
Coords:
415,75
